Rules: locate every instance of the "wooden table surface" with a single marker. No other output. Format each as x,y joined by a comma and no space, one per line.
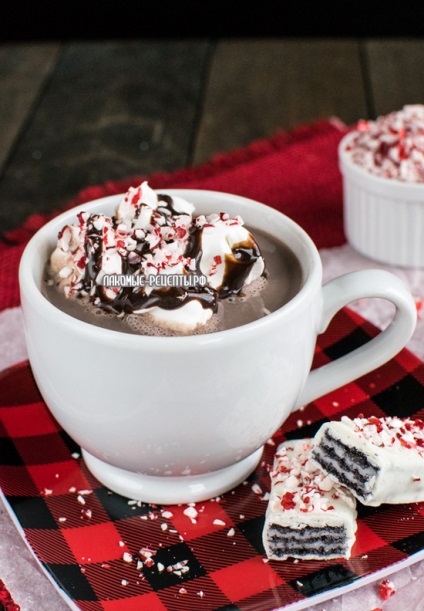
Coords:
73,114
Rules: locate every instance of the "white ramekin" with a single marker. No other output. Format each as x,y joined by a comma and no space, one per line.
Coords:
383,217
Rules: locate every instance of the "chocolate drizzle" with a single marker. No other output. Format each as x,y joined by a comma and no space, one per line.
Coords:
169,205
129,299
93,251
194,246
238,266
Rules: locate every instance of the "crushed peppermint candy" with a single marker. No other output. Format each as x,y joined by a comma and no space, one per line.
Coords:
179,568
191,513
86,514
392,146
300,484
419,304
390,431
116,261
386,589
146,554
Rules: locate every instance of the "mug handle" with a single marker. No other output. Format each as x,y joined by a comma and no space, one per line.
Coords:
339,293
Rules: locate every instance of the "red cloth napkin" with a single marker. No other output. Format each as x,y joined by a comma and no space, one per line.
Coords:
295,172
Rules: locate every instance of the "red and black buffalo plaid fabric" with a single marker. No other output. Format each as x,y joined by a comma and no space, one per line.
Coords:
111,554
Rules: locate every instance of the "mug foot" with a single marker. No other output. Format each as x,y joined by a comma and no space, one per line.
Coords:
169,490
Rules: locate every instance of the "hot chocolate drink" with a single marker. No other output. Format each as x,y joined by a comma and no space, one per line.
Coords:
156,269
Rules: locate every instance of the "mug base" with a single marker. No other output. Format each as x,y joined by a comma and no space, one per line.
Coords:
170,490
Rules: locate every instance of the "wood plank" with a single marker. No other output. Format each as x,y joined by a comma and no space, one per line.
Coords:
24,70
112,110
396,69
259,86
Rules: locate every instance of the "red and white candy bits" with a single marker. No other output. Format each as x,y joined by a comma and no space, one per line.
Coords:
381,460
392,146
386,589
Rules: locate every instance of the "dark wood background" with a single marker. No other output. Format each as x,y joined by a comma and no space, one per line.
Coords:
76,112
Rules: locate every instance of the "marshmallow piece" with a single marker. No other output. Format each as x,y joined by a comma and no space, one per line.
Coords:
221,237
152,235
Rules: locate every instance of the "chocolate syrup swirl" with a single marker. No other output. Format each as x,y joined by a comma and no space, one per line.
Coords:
129,299
93,252
238,267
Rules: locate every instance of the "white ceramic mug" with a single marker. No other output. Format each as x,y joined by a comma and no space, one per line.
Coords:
180,419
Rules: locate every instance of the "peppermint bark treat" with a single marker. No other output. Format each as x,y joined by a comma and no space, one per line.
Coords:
381,460
309,516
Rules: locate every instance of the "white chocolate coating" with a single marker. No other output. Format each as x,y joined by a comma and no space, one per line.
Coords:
303,498
394,448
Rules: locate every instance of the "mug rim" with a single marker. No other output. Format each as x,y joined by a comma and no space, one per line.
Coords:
28,284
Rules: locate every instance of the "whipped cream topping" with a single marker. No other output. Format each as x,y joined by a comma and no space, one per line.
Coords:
151,235
392,146
389,431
